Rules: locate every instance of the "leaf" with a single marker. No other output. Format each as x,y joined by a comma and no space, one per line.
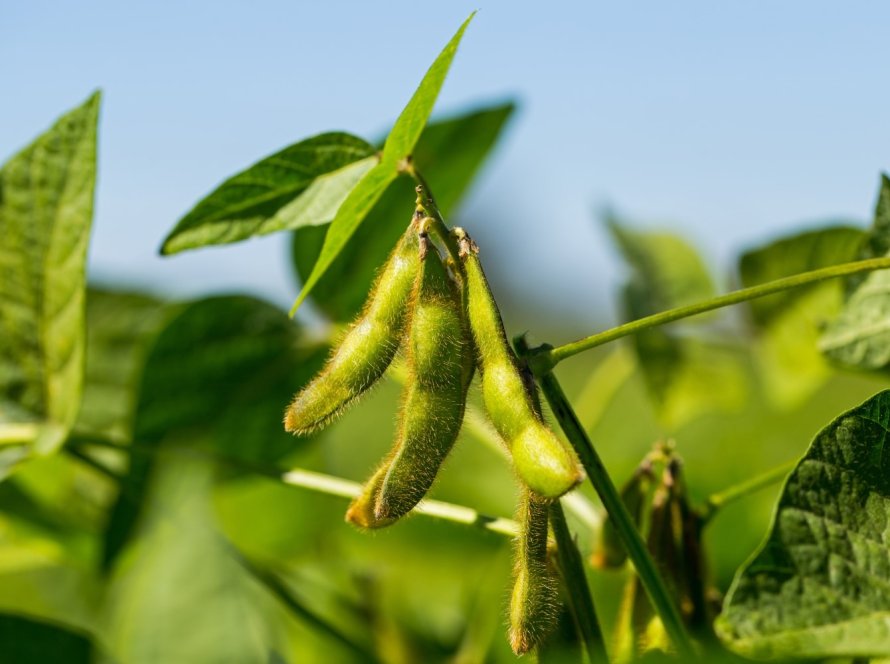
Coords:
818,587
221,372
685,377
179,594
120,328
860,336
28,641
353,211
790,323
302,185
399,144
413,118
449,154
46,209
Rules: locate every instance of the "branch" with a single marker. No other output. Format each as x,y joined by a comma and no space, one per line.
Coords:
571,569
651,580
717,501
542,360
337,486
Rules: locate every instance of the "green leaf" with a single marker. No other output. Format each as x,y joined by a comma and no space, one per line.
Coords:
178,593
790,323
221,371
302,185
860,336
399,144
410,123
120,328
28,641
685,376
46,209
449,154
818,586
353,211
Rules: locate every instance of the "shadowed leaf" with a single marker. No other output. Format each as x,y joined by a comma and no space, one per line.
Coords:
817,587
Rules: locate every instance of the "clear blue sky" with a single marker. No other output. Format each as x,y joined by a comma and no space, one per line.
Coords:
730,121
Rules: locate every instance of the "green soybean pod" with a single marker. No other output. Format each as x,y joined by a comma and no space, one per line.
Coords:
544,463
361,510
435,392
534,602
366,349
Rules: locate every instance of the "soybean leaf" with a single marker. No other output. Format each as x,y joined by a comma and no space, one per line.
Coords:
860,336
399,144
178,593
120,328
817,587
302,185
790,323
29,641
221,371
410,123
449,153
46,209
685,376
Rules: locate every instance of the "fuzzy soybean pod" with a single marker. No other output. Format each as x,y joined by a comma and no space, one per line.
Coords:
534,603
439,369
367,348
543,462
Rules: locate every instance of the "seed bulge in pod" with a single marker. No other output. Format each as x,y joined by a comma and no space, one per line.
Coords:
543,462
367,348
435,391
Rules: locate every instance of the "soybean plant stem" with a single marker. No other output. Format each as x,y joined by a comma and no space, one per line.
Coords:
438,225
337,486
718,500
547,358
571,569
651,580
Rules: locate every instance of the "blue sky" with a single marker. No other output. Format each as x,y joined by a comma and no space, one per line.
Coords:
730,122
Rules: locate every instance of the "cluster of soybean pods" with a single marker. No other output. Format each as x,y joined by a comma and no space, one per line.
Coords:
444,318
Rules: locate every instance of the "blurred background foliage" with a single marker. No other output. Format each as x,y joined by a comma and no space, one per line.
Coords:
163,532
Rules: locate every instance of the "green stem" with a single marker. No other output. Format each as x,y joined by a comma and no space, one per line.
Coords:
318,482
719,500
547,358
336,486
651,580
437,225
571,569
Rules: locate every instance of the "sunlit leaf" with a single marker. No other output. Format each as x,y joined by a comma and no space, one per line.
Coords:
399,144
46,209
410,123
789,323
302,185
818,586
449,154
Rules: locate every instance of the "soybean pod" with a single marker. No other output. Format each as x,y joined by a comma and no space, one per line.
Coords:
367,348
534,602
543,462
439,370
